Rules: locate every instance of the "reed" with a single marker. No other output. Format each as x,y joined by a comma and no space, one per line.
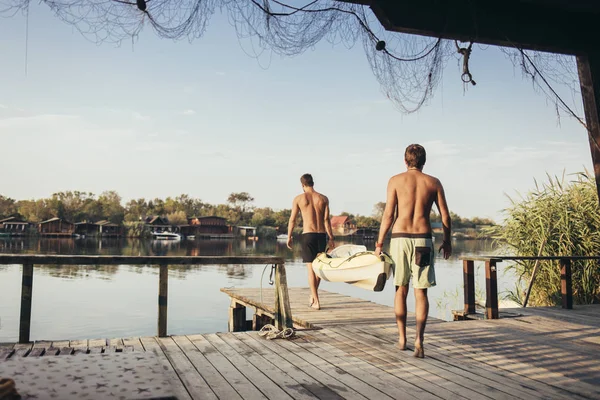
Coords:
565,214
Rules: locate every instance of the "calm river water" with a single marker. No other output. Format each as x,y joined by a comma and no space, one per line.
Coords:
79,302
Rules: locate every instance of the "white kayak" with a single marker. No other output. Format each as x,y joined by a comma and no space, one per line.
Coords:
354,265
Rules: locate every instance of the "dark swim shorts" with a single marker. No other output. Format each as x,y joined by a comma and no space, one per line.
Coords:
313,244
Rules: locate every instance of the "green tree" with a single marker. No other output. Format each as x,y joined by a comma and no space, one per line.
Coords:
136,209
240,201
366,222
110,201
177,218
8,207
378,210
35,210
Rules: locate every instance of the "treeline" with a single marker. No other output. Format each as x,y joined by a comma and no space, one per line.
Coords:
75,206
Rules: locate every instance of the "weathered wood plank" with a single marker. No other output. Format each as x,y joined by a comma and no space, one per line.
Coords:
311,385
229,371
133,343
219,385
281,379
362,370
6,352
461,379
179,388
262,382
334,368
329,381
194,383
37,352
422,369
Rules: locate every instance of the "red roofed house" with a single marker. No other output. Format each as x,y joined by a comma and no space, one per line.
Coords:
342,225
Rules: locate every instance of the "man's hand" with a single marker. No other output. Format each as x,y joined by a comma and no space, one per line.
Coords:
331,244
289,242
447,247
378,248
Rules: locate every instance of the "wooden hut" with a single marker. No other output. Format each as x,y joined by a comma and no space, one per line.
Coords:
86,228
158,224
56,227
209,226
107,228
14,226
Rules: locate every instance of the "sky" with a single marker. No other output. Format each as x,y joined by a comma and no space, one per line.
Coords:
159,118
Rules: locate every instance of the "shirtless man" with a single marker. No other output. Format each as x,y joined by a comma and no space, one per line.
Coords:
410,196
316,227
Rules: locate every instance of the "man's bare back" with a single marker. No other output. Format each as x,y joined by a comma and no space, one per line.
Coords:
414,194
313,206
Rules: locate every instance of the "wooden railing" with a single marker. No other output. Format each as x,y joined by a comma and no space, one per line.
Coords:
283,319
491,281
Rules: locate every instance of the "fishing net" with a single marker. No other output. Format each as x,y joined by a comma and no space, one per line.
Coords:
408,67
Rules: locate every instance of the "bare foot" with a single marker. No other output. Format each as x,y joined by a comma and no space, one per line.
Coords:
401,347
419,352
314,304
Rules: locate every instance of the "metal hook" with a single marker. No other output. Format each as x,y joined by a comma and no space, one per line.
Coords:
271,281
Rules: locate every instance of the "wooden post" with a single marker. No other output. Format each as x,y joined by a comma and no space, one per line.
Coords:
237,317
566,288
260,320
589,79
283,312
491,292
26,292
469,283
163,290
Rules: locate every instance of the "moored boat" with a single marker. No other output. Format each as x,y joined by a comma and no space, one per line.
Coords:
166,236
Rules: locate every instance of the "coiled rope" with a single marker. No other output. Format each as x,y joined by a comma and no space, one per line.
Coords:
270,332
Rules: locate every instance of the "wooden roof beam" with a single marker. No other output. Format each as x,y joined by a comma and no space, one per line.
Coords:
559,26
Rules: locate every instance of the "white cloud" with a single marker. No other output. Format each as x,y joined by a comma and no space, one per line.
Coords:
3,106
220,73
188,112
140,117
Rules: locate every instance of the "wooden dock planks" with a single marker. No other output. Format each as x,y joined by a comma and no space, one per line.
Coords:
540,354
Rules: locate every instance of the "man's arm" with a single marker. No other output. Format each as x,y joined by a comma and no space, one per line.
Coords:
388,216
442,207
292,222
327,221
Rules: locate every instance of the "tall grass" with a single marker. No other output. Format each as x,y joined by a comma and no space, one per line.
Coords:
564,213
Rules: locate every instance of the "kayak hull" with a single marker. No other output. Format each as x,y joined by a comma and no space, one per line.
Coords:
364,269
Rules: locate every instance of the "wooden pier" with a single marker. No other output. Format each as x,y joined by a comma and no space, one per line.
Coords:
539,353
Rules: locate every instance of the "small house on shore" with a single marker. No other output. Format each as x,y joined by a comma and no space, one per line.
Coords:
86,228
56,227
158,224
342,225
14,226
107,228
209,226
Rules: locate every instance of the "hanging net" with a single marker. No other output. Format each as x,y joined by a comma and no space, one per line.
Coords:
408,67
